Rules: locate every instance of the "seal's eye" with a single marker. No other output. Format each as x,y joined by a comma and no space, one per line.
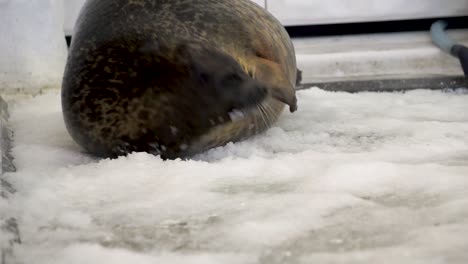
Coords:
231,80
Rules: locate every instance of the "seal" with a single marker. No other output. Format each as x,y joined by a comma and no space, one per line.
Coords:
175,77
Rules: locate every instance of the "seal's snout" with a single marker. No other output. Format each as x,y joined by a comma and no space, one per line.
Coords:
250,93
259,93
287,98
293,106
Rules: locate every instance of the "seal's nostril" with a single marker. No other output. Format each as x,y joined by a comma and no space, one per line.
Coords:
260,93
263,91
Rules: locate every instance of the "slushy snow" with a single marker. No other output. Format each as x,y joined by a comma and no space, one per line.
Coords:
349,178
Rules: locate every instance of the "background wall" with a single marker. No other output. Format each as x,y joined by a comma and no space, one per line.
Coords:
72,9
32,46
34,51
300,12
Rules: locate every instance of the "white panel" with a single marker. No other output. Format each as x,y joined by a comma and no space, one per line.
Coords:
299,12
32,48
72,9
381,56
259,2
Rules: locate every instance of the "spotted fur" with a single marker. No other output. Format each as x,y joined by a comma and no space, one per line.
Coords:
136,75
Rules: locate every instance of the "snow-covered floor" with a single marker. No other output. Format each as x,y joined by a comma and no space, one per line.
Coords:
349,178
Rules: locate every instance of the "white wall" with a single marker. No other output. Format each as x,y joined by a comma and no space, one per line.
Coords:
72,9
32,45
298,12
259,2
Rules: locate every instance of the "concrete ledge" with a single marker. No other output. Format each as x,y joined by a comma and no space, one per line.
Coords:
390,84
7,225
10,226
5,139
410,55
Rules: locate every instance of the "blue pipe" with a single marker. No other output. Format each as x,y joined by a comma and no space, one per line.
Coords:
443,41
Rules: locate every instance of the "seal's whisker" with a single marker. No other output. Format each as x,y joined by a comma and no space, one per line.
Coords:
271,113
262,114
268,115
255,118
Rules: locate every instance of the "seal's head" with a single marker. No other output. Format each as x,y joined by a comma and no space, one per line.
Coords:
222,83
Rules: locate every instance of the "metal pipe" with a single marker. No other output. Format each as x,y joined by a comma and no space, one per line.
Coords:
443,41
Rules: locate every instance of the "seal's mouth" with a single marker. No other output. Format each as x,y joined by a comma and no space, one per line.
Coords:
236,115
258,92
258,104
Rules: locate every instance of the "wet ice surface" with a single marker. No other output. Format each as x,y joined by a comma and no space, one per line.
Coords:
349,178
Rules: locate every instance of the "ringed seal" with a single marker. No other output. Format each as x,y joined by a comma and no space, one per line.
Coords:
175,77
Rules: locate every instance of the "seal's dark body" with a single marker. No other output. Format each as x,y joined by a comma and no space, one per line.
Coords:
135,68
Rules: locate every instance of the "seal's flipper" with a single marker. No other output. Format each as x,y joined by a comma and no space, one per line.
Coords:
274,78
